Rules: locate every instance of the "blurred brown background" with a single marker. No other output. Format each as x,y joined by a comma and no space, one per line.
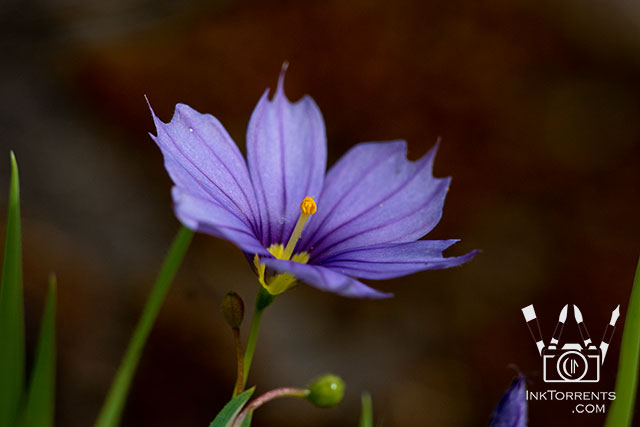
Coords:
537,104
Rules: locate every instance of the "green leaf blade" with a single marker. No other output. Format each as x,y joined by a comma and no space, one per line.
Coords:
12,310
39,410
116,398
247,421
232,409
366,416
621,410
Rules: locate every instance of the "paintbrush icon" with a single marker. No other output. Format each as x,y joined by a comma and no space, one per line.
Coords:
582,328
608,332
557,332
534,327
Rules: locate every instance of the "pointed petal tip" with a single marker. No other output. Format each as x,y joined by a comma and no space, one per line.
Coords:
436,145
283,72
474,252
156,119
156,122
370,293
511,409
381,295
146,98
430,156
463,259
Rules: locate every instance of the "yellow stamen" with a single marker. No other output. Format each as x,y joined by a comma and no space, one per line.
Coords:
308,208
278,283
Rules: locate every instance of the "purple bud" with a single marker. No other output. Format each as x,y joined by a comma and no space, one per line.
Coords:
511,410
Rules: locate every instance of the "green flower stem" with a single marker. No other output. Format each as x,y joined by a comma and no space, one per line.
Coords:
263,300
268,396
621,411
115,401
240,361
251,344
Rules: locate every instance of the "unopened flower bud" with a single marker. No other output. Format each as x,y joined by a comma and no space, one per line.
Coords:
326,391
233,309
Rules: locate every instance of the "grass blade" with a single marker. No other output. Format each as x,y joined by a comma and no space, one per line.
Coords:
366,416
11,310
228,414
39,410
247,421
114,403
621,411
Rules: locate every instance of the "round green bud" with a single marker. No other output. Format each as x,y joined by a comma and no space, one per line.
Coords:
326,391
233,309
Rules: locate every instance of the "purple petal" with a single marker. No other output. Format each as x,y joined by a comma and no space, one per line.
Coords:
374,195
511,410
202,214
387,261
325,279
287,154
203,160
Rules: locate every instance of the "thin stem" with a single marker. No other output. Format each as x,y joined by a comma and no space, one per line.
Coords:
263,300
115,401
251,344
268,396
240,362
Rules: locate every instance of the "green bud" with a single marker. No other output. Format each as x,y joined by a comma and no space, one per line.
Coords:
326,391
233,309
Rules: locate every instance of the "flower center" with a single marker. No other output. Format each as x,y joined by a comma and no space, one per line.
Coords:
279,283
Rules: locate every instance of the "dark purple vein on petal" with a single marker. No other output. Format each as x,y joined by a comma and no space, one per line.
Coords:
279,106
242,190
373,205
235,215
391,222
326,217
246,220
259,177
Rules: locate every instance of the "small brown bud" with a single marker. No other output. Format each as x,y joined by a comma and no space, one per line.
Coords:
233,309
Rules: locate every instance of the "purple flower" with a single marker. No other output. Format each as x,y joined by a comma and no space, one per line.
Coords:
372,206
511,410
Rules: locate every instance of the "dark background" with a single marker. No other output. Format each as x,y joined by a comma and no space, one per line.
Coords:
538,107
